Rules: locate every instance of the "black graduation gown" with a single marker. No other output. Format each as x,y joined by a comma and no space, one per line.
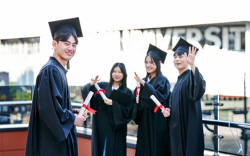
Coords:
109,122
51,131
153,134
186,129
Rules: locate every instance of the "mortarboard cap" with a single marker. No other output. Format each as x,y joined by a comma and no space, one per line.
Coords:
120,97
158,53
182,46
71,25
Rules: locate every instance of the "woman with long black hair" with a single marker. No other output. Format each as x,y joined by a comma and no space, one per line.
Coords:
109,128
153,135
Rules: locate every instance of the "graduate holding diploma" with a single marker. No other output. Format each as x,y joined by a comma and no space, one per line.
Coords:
186,129
114,110
52,122
153,135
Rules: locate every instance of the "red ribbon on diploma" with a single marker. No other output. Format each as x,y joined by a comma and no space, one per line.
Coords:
157,107
136,93
100,90
89,109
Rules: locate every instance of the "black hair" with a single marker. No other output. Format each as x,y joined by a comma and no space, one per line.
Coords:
179,53
123,70
64,36
157,63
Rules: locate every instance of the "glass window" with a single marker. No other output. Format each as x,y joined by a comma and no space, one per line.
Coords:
20,46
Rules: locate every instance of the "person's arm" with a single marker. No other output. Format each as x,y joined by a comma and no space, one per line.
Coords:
161,91
196,83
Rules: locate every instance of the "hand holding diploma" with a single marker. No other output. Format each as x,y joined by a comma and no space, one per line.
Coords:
108,102
137,99
79,119
166,113
85,104
159,105
138,87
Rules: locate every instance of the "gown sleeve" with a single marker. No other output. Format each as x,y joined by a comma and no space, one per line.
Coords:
59,120
196,85
160,91
121,114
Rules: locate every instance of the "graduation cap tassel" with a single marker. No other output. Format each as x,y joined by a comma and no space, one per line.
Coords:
68,67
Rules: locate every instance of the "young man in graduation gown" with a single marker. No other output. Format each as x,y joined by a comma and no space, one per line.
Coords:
186,129
109,124
153,134
52,123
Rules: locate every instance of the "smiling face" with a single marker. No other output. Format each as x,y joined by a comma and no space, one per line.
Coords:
150,65
180,62
117,74
64,50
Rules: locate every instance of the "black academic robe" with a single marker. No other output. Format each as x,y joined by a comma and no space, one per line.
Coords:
153,134
51,131
110,122
186,129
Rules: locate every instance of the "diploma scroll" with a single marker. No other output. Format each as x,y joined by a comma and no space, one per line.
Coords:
99,90
138,87
85,104
158,104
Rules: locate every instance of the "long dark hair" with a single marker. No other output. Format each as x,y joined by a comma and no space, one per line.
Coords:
157,63
123,70
64,36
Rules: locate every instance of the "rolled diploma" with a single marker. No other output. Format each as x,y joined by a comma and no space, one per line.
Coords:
86,102
157,102
102,94
138,87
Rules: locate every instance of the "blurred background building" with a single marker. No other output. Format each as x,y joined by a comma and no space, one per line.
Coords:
121,32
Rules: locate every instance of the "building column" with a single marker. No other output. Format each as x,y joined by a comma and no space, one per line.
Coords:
247,38
247,58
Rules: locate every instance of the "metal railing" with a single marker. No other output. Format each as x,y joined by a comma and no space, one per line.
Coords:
205,121
29,102
8,103
215,122
226,124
